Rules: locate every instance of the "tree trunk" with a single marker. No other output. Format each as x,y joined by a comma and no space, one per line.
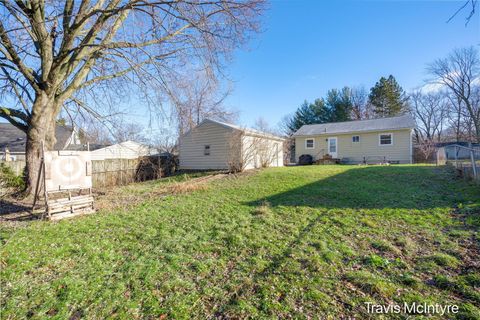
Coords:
41,128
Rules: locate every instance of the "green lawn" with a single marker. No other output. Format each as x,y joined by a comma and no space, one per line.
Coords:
298,242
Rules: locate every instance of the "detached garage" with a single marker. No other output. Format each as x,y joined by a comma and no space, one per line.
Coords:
223,146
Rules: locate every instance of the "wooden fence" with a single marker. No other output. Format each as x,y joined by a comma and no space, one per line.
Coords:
114,172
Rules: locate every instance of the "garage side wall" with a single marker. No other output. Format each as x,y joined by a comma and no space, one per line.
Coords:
257,150
193,145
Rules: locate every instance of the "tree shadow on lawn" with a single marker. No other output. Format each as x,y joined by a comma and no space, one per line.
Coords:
357,188
273,268
375,187
15,211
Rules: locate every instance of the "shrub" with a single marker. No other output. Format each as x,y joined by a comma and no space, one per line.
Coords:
8,179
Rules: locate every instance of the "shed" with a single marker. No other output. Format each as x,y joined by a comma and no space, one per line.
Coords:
224,146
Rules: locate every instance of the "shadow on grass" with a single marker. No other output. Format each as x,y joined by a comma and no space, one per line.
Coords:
15,211
375,187
402,187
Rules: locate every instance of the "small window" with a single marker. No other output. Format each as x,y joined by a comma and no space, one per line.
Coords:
355,139
385,139
309,144
206,151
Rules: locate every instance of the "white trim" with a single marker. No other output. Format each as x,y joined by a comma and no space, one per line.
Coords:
411,146
306,147
356,135
384,134
336,146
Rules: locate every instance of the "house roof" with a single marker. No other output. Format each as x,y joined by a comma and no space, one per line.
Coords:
248,131
15,139
392,123
85,147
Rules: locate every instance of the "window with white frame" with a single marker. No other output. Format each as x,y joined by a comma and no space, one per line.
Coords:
206,150
309,143
355,139
385,139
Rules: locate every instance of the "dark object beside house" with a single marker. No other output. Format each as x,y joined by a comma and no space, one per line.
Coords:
155,167
305,159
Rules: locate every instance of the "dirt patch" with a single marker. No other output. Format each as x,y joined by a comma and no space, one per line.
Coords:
15,211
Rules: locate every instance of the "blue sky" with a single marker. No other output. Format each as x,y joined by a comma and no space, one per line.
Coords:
309,47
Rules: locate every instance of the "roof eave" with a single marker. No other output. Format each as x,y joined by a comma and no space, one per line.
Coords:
348,132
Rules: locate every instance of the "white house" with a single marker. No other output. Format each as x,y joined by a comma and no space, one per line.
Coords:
223,146
123,150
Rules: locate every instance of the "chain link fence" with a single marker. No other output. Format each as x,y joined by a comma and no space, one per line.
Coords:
466,160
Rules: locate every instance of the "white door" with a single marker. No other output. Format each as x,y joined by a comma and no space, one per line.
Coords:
332,146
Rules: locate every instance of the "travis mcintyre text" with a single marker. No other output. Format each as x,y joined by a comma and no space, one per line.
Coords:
411,308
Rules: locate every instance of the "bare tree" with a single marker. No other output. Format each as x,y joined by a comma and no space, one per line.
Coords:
198,98
426,148
262,125
361,108
430,111
252,149
460,72
125,131
455,116
470,6
239,155
67,54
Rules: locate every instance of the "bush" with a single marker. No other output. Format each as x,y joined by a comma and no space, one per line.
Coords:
8,179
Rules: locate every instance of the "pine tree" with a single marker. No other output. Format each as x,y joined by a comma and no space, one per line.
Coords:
309,113
388,98
337,106
339,103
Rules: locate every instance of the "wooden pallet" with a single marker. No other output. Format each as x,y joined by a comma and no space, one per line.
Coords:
57,207
67,207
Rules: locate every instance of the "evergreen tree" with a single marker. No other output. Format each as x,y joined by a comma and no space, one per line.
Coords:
337,106
339,103
388,98
309,113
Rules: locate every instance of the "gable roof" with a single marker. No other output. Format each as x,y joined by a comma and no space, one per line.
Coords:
247,131
392,123
15,139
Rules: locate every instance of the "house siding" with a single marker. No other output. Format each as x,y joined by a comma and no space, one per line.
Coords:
275,152
225,147
124,150
192,147
368,146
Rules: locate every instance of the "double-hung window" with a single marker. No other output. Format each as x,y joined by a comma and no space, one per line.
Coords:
309,143
385,139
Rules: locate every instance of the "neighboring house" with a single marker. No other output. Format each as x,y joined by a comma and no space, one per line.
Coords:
369,141
123,150
13,140
217,145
